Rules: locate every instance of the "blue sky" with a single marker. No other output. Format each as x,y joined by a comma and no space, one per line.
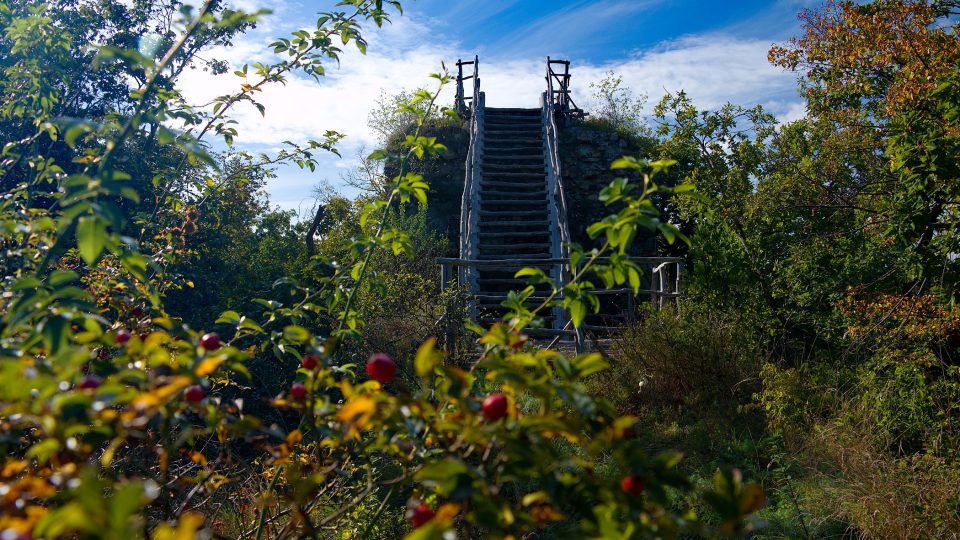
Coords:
715,51
596,31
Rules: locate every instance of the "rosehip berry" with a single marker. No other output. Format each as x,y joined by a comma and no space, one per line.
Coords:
421,515
122,337
90,382
632,485
495,407
194,393
298,391
381,368
210,342
309,362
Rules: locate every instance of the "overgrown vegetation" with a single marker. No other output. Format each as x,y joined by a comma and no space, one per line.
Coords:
818,346
179,360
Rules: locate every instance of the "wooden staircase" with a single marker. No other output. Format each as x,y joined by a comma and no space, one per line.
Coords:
513,212
514,218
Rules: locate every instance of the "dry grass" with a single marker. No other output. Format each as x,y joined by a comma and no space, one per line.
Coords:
881,495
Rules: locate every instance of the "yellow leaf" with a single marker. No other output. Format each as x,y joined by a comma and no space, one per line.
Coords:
208,366
13,468
357,413
447,512
190,523
294,437
161,394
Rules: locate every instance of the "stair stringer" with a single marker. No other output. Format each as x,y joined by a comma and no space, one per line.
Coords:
470,206
556,207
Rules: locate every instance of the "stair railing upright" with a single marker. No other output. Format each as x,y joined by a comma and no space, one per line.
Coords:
464,102
563,102
560,237
470,202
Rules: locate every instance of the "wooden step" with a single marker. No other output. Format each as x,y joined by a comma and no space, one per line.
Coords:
516,246
510,123
513,118
520,111
516,184
500,151
514,202
496,213
512,139
516,167
526,234
508,184
529,189
531,159
496,225
519,175
503,281
495,197
501,134
520,256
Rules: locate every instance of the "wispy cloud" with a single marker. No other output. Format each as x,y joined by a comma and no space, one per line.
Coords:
561,32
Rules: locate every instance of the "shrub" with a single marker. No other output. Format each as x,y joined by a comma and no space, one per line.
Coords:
691,358
118,420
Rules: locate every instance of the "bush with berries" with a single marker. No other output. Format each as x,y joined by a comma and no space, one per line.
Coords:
117,420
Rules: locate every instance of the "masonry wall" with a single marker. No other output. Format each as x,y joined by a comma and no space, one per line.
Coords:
586,153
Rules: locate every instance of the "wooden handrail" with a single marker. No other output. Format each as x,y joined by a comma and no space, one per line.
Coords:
544,262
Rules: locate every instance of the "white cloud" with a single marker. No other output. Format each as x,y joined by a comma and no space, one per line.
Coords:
712,69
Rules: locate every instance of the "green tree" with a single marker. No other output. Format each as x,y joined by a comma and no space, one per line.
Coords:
616,106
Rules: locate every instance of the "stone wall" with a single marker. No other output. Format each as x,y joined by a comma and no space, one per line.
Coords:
445,174
586,152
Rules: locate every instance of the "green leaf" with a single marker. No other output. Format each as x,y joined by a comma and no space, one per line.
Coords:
627,162
634,276
297,334
136,264
229,317
589,364
377,155
427,358
662,164
91,238
578,311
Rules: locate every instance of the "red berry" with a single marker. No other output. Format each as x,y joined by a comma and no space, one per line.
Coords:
421,515
210,342
632,485
495,407
381,367
123,336
90,382
309,362
137,311
298,391
194,393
